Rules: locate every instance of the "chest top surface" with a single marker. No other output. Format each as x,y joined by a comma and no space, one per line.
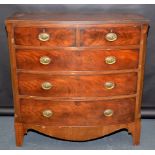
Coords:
91,17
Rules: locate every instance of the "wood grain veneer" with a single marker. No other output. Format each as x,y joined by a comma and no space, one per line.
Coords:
78,113
79,60
58,36
94,36
76,86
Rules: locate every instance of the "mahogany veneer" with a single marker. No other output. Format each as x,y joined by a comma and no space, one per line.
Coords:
70,60
77,76
70,86
94,36
83,113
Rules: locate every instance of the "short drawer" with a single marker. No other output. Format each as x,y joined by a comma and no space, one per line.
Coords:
34,36
79,60
77,113
74,86
108,36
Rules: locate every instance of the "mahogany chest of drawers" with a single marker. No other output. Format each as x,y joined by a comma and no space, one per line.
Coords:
77,76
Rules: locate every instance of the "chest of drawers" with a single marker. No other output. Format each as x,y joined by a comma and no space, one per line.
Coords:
77,76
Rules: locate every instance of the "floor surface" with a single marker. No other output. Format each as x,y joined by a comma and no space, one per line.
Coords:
118,141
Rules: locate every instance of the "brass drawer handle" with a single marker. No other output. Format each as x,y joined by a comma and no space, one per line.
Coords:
110,60
111,36
108,112
47,113
45,60
46,85
109,85
43,36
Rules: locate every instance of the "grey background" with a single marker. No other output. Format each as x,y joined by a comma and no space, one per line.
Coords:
147,10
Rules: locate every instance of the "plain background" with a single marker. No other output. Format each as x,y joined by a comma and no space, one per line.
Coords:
147,10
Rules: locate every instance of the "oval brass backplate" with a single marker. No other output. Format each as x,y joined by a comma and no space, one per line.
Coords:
110,60
47,113
108,112
46,85
111,36
43,36
109,85
45,60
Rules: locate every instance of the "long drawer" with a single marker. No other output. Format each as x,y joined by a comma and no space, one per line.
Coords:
83,113
73,86
79,60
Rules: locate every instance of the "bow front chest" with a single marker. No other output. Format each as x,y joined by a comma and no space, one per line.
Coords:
77,76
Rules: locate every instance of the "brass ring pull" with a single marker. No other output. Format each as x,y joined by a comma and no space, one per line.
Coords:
47,113
45,60
108,112
111,36
110,60
46,85
43,36
109,85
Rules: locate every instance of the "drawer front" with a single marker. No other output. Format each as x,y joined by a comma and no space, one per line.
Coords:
82,60
31,36
75,113
74,86
119,36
